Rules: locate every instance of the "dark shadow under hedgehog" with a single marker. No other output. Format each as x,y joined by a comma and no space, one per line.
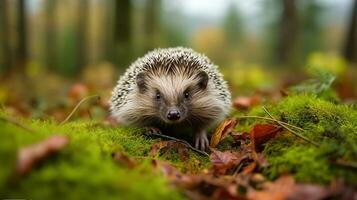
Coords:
174,90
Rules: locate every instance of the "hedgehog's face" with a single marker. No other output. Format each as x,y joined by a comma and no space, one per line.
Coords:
172,96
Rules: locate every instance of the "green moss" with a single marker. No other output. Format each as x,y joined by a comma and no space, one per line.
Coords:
8,150
333,126
85,169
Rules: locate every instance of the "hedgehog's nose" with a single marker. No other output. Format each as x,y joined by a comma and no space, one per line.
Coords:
173,115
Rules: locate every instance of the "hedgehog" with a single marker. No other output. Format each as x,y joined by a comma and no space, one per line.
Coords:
172,90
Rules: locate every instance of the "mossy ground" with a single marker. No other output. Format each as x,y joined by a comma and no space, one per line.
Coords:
332,126
85,168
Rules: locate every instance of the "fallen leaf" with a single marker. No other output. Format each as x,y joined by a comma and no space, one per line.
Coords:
182,149
262,133
225,161
260,159
155,148
172,173
77,92
222,131
208,186
245,102
286,188
124,160
277,190
250,168
257,178
30,156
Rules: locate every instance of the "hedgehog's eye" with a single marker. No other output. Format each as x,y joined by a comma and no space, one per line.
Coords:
158,96
186,95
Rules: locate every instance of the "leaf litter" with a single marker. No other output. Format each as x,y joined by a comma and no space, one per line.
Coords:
238,174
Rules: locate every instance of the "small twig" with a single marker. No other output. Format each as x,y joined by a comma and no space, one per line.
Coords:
238,169
292,131
17,123
181,141
77,106
270,119
342,163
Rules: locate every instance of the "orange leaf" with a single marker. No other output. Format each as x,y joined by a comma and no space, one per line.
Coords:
181,148
30,156
155,148
124,159
262,133
224,161
78,91
222,131
286,188
244,102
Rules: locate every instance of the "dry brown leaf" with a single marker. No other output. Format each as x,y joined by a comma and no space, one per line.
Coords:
222,131
169,144
286,188
155,148
244,102
225,161
262,133
77,92
124,160
172,173
278,190
30,156
208,186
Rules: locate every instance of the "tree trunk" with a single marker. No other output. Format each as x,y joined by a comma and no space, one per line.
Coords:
108,32
350,50
6,60
82,28
288,37
122,31
152,23
22,37
122,27
51,39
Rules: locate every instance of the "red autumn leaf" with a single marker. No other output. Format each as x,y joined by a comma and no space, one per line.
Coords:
208,186
244,102
222,131
224,161
286,188
78,91
171,172
155,148
124,159
170,144
30,156
227,192
250,168
278,190
262,133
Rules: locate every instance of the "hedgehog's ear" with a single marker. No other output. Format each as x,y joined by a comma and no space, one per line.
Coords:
141,82
202,80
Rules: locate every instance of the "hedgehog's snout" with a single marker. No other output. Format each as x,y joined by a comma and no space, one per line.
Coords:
173,114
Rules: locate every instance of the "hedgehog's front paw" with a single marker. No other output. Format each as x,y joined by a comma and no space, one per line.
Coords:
201,141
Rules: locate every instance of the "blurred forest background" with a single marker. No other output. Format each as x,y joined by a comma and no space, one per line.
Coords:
54,52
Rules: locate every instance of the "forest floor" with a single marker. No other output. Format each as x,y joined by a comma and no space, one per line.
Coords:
301,146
